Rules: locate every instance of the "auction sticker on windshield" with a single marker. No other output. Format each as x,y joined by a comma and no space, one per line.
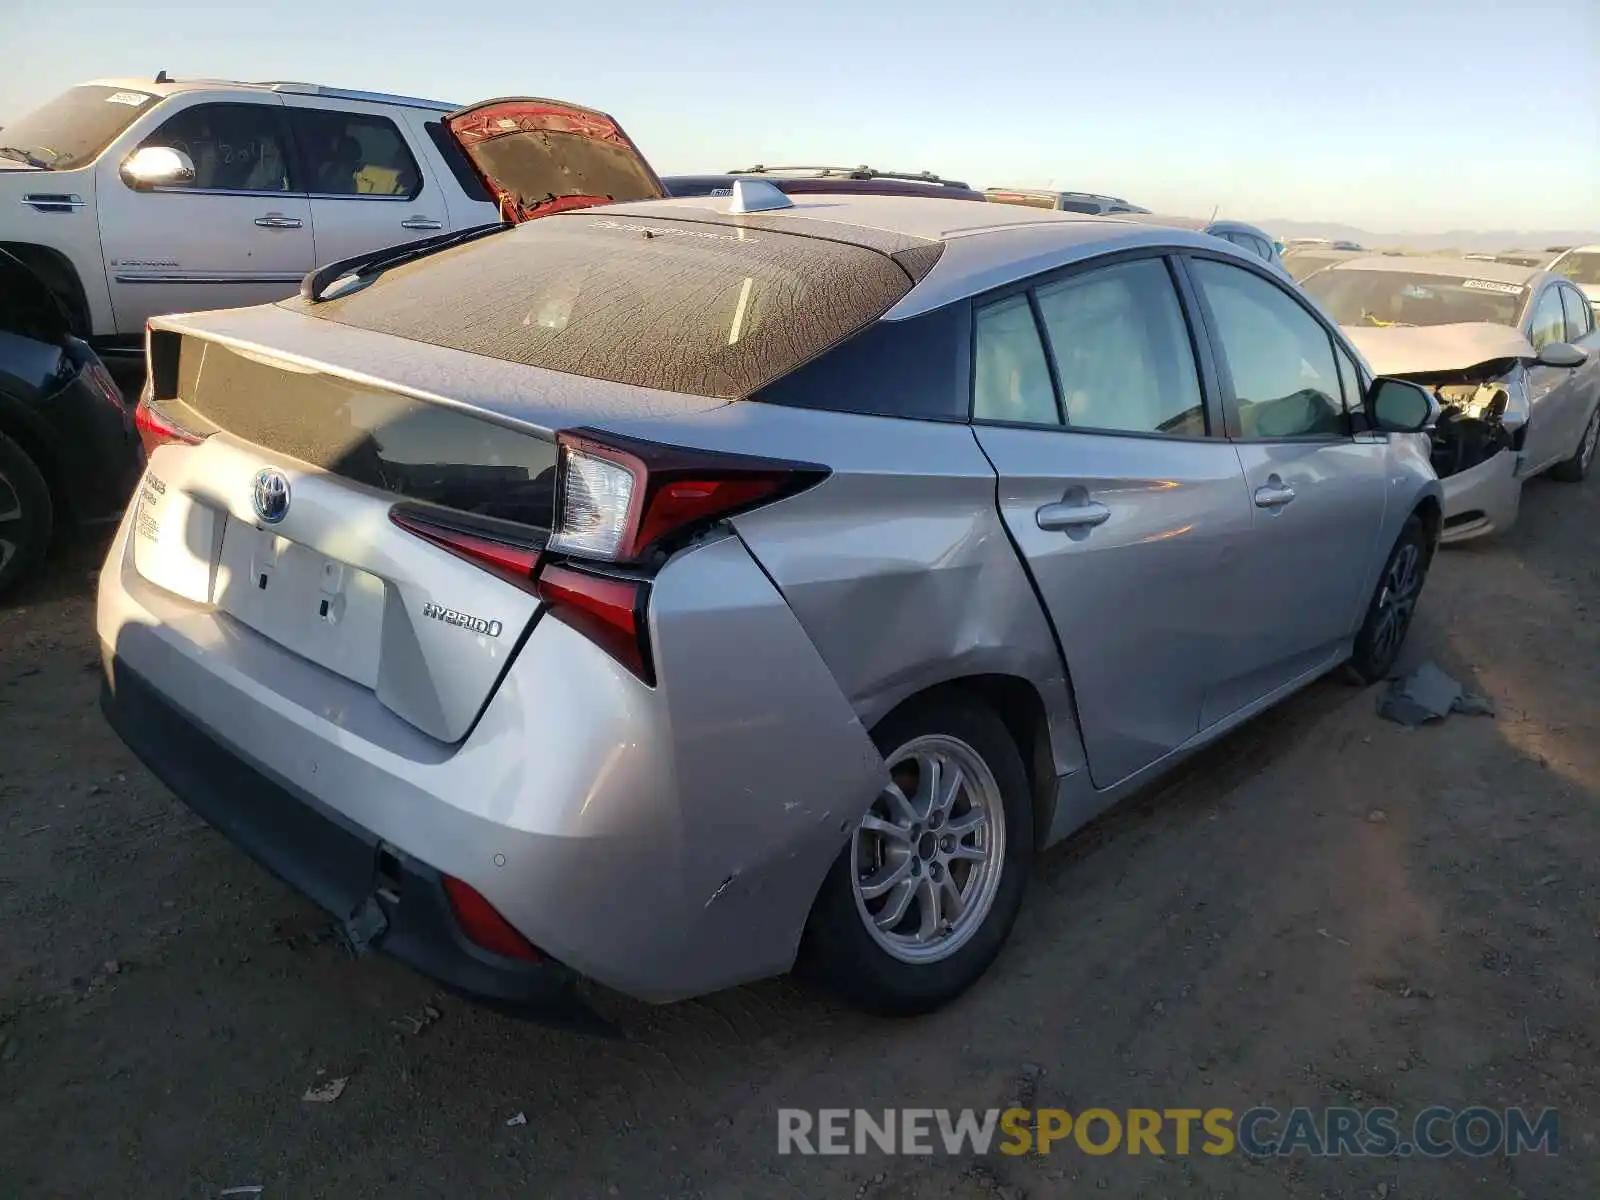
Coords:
1489,285
132,99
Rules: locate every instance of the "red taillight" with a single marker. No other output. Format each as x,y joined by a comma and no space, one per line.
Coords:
156,429
609,612
484,926
623,500
510,558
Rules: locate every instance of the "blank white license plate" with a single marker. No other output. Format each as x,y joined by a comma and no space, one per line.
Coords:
322,609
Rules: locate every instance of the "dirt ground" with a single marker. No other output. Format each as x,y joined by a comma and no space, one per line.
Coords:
1323,909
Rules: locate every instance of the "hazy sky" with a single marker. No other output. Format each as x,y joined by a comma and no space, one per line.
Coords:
1416,115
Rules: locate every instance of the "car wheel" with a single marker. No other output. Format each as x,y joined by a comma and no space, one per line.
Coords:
1393,604
1574,469
925,892
25,514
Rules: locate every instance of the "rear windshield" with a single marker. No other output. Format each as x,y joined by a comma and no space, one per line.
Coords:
1384,298
711,309
1581,268
72,129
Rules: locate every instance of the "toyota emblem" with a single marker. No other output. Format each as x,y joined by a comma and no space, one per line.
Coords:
270,495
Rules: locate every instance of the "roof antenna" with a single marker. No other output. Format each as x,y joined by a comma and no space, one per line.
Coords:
162,77
1214,211
757,195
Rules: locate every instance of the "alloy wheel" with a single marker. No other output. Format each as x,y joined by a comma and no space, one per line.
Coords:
10,521
927,857
1397,600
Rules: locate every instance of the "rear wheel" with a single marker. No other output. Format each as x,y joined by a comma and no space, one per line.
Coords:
924,894
26,516
1394,603
1574,469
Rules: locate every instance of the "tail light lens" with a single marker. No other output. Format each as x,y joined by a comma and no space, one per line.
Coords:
509,555
624,500
609,612
157,429
483,924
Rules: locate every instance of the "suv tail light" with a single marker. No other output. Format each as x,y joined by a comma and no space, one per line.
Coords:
627,501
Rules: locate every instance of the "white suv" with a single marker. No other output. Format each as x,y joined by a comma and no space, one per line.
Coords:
133,198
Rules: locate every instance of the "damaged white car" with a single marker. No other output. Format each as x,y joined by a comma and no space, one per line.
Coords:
1512,354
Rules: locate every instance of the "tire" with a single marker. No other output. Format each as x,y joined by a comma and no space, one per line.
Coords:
1394,602
26,514
895,972
1576,468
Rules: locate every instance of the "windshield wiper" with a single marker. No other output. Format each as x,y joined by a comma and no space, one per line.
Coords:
27,156
376,262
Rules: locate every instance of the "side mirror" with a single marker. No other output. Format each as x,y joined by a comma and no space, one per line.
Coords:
1563,354
157,166
1399,406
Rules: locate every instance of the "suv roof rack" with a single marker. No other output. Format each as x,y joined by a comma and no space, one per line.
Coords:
319,89
861,172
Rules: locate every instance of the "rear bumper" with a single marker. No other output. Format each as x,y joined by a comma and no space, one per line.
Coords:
384,898
1482,500
663,841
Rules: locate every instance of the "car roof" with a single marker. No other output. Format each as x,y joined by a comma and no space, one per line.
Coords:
985,246
173,87
1444,268
1193,223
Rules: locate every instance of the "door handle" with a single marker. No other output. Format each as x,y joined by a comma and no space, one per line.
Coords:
1274,495
421,223
278,221
1073,514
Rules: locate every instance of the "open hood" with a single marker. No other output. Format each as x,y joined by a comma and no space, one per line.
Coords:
1430,349
545,156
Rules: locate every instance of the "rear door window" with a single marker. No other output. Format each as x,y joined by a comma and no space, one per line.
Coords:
354,154
1285,381
235,147
1122,351
1010,374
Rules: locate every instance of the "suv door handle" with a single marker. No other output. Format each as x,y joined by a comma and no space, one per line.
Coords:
421,223
278,221
1072,514
1274,495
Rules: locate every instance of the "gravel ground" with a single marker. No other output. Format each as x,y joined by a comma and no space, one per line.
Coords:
1323,909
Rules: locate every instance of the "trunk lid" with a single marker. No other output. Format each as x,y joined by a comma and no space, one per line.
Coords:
546,156
282,517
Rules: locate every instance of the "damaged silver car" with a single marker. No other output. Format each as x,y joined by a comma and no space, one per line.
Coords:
1512,354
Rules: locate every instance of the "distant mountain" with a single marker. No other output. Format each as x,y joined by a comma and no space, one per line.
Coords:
1485,241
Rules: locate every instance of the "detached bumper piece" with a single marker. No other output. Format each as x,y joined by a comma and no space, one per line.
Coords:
382,898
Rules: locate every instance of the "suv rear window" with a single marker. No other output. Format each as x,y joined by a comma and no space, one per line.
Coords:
76,126
707,308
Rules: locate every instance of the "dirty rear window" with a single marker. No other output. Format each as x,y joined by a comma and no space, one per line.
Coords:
72,129
707,308
1401,298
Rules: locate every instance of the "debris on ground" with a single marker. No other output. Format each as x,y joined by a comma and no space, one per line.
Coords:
521,1118
326,1092
1428,694
414,1023
244,1189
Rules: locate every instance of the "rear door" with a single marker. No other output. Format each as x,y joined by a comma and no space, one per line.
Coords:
368,187
540,157
1131,515
239,234
1317,488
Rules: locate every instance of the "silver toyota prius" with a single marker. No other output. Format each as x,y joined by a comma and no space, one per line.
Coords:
677,593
